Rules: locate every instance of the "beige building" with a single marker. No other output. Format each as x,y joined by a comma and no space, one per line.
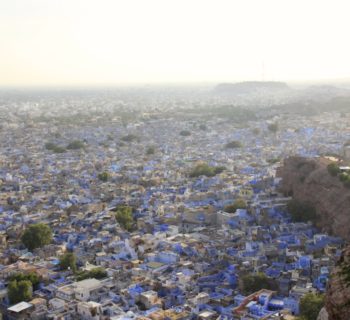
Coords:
89,310
150,299
81,290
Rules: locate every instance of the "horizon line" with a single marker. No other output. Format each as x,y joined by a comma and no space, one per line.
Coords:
61,86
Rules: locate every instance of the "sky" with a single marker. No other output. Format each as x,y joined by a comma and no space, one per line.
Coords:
118,42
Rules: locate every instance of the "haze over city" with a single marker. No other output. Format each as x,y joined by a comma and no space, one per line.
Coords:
113,42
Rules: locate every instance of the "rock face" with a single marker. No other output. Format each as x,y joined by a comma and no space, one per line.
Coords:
308,181
338,293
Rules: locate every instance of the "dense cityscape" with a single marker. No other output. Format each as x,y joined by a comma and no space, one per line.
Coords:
146,204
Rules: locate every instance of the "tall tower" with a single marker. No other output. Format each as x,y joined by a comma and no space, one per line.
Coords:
263,71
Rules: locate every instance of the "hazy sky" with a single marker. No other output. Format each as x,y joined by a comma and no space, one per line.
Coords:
106,42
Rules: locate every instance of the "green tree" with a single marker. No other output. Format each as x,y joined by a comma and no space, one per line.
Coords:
345,178
50,145
203,169
75,145
273,160
238,204
219,169
333,169
59,149
129,138
301,212
310,305
97,273
150,150
255,282
185,133
19,291
36,236
54,147
233,144
347,182
31,276
103,176
273,127
68,261
124,217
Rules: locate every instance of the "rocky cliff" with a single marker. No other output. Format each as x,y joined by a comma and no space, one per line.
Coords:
338,290
308,181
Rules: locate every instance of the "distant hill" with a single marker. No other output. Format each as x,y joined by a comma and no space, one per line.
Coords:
250,87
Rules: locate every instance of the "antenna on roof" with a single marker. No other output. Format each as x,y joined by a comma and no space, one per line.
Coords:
263,71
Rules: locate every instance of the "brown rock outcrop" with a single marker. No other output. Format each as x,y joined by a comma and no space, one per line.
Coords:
338,293
308,181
